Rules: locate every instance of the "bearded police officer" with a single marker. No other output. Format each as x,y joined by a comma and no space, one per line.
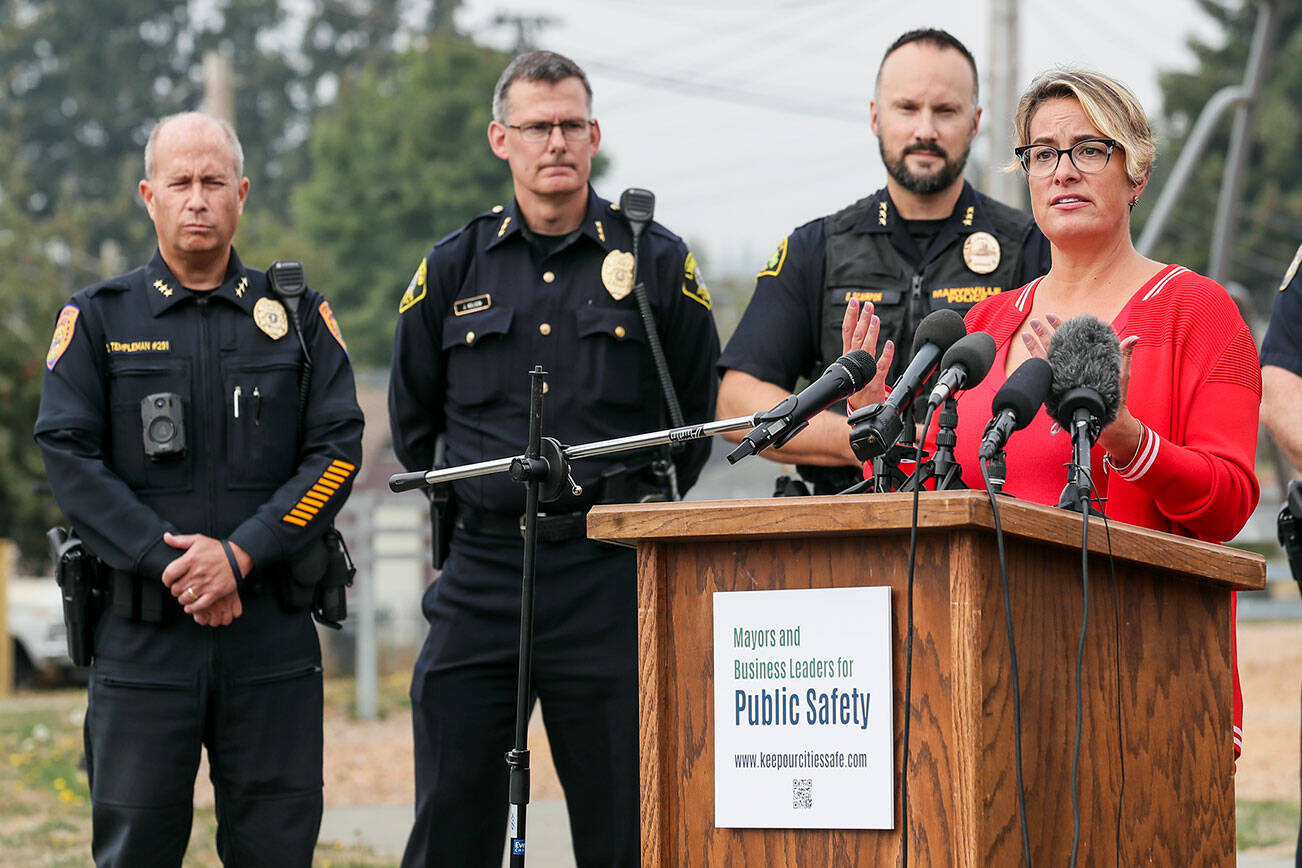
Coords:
926,241
544,280
170,428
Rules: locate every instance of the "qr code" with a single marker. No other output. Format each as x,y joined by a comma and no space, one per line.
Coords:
802,794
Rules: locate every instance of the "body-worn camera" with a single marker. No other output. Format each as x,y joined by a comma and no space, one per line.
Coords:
162,419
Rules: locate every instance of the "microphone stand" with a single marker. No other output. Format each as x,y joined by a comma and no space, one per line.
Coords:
942,465
537,468
544,470
1085,431
997,471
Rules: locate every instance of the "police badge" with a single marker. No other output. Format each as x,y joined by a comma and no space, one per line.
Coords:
617,273
270,316
981,252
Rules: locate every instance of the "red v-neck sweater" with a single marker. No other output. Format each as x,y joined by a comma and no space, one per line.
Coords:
1195,382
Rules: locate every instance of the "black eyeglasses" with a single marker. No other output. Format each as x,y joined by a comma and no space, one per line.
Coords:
573,131
1089,156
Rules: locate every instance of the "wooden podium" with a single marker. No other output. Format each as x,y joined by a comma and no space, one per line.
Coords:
1157,756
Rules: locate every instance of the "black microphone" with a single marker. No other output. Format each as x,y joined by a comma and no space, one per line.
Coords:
963,366
1016,404
876,428
843,378
1084,394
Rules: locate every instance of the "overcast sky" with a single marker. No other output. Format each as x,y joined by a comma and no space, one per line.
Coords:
748,118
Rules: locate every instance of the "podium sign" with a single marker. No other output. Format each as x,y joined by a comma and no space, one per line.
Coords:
802,709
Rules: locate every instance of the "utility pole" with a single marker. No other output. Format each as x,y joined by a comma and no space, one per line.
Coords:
1001,104
219,86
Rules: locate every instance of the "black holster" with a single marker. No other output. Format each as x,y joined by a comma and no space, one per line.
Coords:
81,584
442,517
318,579
1289,537
620,484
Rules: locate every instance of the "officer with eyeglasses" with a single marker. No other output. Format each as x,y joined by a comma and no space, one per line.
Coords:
927,240
546,280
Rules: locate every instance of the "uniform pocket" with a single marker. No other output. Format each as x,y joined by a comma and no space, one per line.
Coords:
261,416
143,718
479,361
130,380
614,356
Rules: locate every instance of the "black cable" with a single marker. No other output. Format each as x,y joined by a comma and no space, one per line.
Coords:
1116,614
908,642
653,338
1012,654
1080,658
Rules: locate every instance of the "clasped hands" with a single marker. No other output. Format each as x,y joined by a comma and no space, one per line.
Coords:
201,578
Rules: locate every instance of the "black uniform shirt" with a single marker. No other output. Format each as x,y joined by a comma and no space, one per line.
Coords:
243,475
779,337
488,303
1282,346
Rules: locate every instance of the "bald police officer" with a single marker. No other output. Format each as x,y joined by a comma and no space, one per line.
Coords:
544,280
927,240
199,530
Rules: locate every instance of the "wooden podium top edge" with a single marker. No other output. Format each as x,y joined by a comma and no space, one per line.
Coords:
872,514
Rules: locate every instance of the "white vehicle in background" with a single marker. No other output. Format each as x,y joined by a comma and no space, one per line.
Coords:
36,628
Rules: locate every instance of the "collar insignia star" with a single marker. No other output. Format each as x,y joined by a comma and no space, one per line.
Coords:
601,233
881,214
241,286
163,288
968,215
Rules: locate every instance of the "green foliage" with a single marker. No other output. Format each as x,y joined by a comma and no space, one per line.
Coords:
1270,225
399,161
39,274
1263,823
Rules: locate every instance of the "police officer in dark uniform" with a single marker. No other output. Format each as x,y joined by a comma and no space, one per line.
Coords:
1281,384
546,280
169,424
1281,366
926,241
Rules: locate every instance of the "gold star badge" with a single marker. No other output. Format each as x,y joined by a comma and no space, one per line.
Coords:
163,288
968,215
881,214
241,286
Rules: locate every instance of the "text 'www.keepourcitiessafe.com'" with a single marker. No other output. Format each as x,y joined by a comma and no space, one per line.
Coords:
802,760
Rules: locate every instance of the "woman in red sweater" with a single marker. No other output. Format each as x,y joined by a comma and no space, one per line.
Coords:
1179,457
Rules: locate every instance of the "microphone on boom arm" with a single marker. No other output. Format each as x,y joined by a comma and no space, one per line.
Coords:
843,378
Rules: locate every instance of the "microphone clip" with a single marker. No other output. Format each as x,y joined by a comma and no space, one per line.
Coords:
876,428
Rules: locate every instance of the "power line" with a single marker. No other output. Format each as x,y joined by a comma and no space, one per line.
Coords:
720,92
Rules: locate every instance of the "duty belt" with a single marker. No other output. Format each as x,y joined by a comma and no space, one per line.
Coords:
556,527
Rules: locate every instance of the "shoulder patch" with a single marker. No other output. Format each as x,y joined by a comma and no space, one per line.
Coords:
1292,269
328,317
776,261
64,329
415,290
694,283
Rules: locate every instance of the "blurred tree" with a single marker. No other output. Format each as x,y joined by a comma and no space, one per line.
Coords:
39,274
1271,219
80,91
399,161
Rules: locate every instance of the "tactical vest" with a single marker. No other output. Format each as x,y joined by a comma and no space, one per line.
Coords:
867,266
